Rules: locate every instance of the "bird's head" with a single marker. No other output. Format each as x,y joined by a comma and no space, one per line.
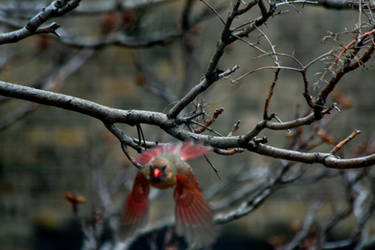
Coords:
160,172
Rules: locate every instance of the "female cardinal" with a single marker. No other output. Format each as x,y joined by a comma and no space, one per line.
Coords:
165,167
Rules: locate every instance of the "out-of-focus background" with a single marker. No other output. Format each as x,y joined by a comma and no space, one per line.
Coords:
52,151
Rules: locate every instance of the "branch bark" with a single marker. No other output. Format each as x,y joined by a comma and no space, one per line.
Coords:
110,115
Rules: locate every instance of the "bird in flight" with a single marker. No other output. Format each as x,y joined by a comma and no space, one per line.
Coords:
165,167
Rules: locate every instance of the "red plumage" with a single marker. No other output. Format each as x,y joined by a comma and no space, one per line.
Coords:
194,218
165,167
186,151
135,210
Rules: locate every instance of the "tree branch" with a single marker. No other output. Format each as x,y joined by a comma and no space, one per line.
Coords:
55,9
88,8
171,126
125,41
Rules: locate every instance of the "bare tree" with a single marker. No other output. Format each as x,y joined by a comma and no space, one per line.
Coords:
187,115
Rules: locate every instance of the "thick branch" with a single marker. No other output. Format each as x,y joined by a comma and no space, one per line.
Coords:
326,159
132,117
53,80
93,109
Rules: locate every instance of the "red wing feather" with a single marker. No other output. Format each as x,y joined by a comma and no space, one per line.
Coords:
134,214
194,218
189,151
186,151
146,156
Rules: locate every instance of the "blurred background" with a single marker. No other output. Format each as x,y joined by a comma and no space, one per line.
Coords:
46,152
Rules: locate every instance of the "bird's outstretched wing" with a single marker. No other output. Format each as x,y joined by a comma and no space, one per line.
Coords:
190,150
194,218
135,212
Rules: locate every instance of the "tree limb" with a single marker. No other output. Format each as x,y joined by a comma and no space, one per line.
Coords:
133,117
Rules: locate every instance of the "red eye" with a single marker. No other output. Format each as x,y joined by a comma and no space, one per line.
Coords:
157,173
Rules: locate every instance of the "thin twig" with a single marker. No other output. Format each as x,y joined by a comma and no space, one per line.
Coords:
207,123
270,93
345,141
214,11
